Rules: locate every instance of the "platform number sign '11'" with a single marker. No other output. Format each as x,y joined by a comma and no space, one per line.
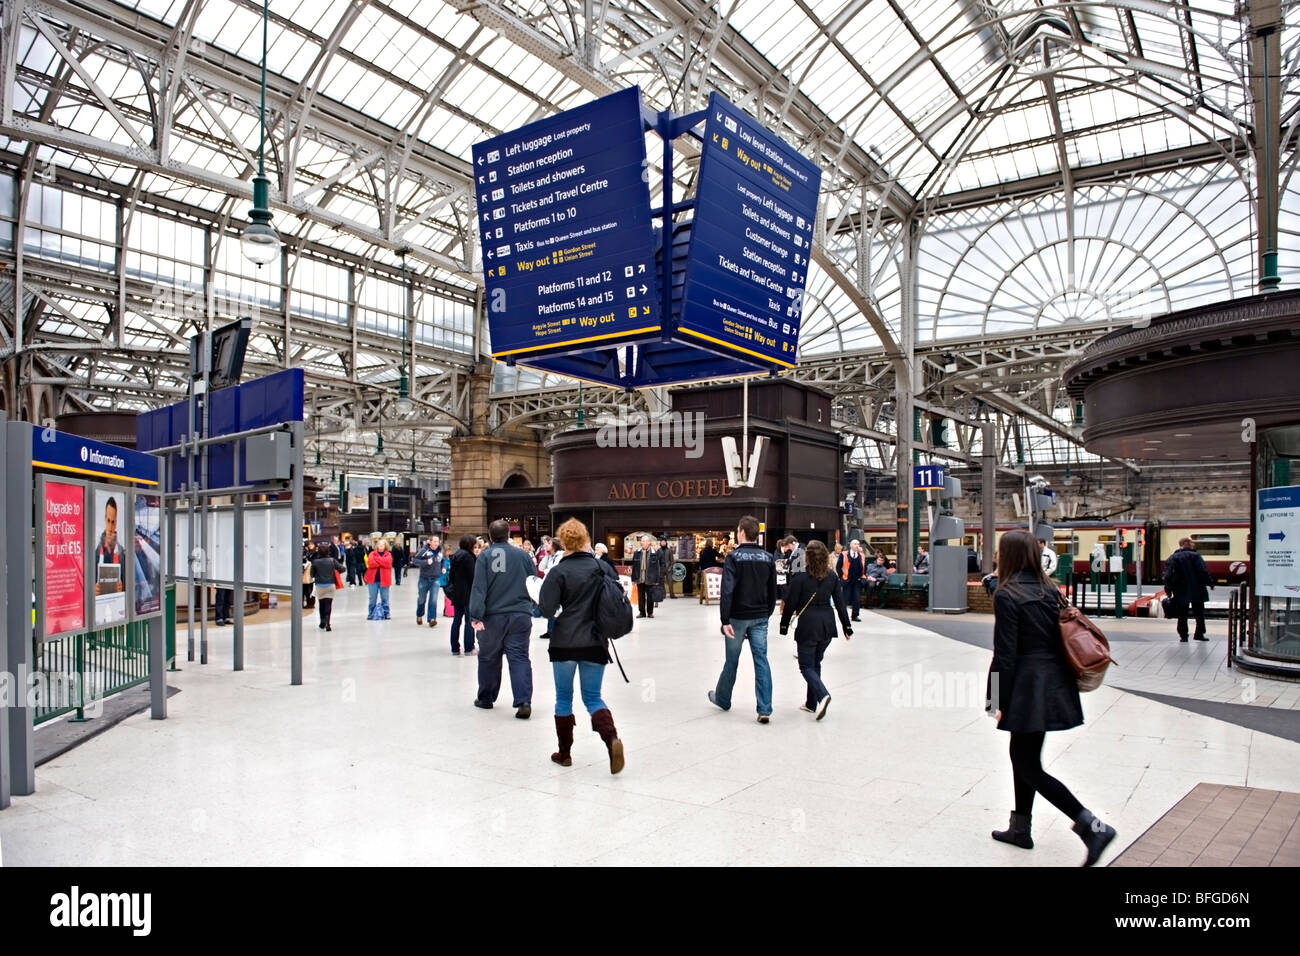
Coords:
927,477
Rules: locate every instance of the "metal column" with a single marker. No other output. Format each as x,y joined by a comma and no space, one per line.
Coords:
19,573
237,592
988,494
158,625
295,617
10,548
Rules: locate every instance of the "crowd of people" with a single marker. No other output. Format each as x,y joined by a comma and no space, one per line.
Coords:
492,588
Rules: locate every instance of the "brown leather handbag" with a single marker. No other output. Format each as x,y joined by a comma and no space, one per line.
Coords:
1086,647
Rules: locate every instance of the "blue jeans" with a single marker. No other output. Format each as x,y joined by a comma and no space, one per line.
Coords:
428,593
756,632
508,635
590,676
378,609
810,665
455,632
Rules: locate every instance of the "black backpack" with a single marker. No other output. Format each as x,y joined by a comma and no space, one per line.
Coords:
611,611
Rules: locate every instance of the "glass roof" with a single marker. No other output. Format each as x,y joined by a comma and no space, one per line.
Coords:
969,116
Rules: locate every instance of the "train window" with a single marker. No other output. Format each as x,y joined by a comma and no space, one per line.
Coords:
1212,544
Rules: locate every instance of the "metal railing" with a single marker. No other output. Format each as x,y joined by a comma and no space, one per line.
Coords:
1241,625
78,671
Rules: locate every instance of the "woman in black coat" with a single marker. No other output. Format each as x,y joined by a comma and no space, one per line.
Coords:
576,647
323,567
1033,690
811,594
460,581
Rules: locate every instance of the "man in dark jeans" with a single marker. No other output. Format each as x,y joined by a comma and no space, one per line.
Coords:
501,613
225,598
399,559
748,600
1186,579
647,573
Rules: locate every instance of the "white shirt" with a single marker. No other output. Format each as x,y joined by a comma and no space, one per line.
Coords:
1049,560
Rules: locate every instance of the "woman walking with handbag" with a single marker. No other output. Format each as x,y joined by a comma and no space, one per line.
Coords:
576,647
325,571
1034,690
816,593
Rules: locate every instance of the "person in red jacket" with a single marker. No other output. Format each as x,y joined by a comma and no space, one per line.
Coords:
379,578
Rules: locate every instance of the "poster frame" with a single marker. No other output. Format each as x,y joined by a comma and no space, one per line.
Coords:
125,493
131,613
39,632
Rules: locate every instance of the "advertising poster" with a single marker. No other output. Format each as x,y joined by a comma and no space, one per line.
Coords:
109,568
63,571
146,515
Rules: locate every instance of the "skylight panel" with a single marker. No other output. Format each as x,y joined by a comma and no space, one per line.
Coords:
232,28
291,56
881,42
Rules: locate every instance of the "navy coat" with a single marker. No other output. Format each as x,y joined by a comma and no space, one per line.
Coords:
1186,576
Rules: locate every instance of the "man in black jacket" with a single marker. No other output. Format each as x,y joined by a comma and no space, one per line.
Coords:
647,573
1186,580
748,600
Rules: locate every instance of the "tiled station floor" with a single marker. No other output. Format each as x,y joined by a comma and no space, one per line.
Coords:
380,758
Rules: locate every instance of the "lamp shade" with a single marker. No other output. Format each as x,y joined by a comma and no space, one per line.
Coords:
260,243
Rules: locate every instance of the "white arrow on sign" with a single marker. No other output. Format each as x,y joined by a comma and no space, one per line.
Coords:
644,289
641,269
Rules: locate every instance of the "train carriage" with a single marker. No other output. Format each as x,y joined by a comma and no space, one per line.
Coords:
1221,542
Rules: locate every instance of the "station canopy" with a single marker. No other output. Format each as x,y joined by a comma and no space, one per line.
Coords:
1033,170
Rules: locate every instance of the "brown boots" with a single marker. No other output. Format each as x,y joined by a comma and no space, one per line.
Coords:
564,734
602,722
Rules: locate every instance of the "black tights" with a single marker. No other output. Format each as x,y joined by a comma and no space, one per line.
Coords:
1031,778
326,605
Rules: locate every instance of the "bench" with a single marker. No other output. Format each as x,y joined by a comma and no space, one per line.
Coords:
896,585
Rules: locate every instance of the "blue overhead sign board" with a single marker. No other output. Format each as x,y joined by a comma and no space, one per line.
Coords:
564,219
271,400
95,459
751,241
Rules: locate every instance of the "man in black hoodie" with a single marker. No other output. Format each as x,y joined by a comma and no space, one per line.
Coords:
748,600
